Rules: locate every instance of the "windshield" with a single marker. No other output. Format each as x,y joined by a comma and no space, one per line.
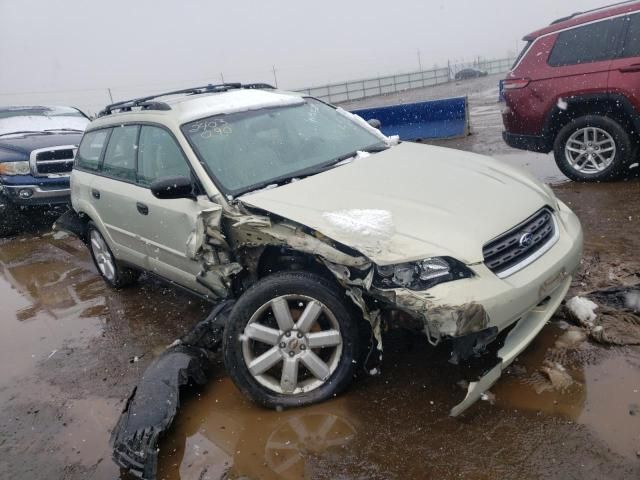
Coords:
249,150
40,119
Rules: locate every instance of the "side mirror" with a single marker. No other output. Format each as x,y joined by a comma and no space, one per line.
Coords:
375,123
173,187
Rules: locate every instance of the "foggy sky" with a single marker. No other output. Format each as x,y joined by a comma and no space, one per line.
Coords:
71,51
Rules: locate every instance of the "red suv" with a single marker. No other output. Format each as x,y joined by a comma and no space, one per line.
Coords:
575,89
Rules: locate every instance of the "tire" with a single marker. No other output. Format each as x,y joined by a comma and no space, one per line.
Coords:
111,271
579,149
10,218
272,387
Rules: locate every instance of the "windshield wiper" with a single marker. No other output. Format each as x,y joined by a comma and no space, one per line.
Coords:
29,132
372,149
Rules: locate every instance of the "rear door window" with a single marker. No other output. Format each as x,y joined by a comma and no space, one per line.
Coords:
591,43
160,156
90,151
631,47
120,157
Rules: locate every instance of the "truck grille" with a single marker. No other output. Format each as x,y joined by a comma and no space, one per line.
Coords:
52,161
521,245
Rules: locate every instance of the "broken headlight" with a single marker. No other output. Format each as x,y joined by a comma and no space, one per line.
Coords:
420,275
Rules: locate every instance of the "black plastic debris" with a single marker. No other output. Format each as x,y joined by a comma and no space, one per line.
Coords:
153,404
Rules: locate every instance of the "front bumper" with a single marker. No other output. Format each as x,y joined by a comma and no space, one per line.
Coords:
28,190
517,340
527,298
534,143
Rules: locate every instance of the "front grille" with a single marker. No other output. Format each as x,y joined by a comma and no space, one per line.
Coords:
520,244
58,161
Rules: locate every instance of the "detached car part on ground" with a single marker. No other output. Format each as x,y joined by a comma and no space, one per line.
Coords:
323,229
37,148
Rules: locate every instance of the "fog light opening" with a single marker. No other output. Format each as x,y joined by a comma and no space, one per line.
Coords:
25,193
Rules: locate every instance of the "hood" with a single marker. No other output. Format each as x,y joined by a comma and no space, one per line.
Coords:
410,202
22,145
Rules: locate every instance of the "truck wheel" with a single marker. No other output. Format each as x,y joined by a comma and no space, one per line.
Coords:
10,218
291,340
593,148
114,274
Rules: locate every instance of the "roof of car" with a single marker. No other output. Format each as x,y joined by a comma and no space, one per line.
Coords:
185,108
580,18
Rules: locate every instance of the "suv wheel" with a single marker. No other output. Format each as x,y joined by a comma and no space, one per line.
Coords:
592,148
291,340
112,273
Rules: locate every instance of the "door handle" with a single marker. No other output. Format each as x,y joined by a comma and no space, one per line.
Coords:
95,193
631,68
142,208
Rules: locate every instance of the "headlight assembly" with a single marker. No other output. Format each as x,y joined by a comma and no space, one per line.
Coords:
15,168
422,274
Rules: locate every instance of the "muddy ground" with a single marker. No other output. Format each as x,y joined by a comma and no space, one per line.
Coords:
71,350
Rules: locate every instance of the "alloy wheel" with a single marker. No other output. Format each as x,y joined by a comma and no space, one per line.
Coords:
590,150
292,344
103,257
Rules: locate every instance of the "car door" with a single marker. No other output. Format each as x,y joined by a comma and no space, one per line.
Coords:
114,196
170,223
624,78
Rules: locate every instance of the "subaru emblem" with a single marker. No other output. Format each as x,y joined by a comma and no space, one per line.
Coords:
526,240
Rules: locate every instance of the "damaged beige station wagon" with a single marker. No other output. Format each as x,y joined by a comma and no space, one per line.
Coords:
323,229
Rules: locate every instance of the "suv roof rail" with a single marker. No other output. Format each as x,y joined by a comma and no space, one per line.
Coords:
145,103
575,14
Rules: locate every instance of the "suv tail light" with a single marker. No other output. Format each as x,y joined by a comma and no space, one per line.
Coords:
516,83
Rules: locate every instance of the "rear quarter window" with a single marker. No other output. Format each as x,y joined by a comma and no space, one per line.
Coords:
90,151
590,43
631,46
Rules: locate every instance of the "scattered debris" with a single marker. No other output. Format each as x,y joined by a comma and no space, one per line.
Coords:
557,375
60,235
617,321
153,404
571,338
488,397
582,309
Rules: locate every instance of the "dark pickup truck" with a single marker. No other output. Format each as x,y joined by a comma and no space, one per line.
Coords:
37,150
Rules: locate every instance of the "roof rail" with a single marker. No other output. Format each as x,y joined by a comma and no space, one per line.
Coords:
145,103
575,14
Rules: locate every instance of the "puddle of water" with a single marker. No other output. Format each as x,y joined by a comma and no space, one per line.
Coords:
599,396
613,393
383,421
219,431
48,299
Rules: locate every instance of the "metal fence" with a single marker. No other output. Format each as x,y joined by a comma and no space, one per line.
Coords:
370,87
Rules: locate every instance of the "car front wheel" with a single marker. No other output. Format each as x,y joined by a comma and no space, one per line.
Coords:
291,340
113,273
593,148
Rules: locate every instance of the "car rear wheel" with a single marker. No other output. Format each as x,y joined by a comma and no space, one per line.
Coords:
109,269
291,340
593,148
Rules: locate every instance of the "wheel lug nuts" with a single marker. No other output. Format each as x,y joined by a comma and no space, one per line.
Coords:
282,345
299,335
292,353
288,334
303,347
